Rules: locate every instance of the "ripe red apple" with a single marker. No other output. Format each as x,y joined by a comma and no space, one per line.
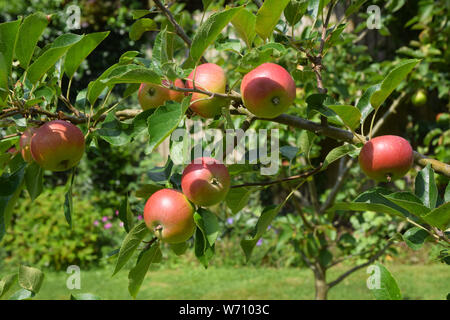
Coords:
386,158
208,77
25,142
57,145
268,90
151,95
170,215
205,181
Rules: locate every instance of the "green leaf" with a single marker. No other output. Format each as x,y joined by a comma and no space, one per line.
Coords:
315,7
178,248
392,80
29,33
425,187
210,30
49,58
237,198
264,221
160,48
268,15
33,180
95,88
84,296
349,115
361,206
146,190
115,132
388,288
164,120
30,278
289,152
295,10
68,201
130,244
9,183
338,153
141,26
3,78
244,22
8,36
364,105
6,283
354,7
137,274
447,193
415,237
319,103
131,74
325,257
206,4
203,251
6,207
79,51
439,217
409,202
22,294
208,223
126,215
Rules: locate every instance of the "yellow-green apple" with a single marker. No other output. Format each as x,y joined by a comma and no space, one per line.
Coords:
25,142
268,90
208,77
386,158
170,215
57,145
205,181
152,95
419,98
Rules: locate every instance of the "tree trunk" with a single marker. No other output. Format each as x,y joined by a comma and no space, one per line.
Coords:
320,280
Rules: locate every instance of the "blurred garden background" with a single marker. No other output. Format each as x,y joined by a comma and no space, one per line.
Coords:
39,235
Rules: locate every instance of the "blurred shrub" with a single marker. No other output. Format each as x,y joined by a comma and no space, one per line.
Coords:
40,235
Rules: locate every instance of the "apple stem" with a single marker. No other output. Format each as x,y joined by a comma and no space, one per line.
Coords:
389,177
216,182
158,228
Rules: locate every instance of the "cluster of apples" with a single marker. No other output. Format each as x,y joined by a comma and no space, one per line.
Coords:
267,91
57,145
169,213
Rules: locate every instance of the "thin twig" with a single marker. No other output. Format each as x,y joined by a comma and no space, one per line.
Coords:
178,29
291,178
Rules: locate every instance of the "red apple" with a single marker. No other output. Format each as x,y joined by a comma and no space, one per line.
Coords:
151,95
205,181
25,142
208,77
170,215
268,90
57,145
386,158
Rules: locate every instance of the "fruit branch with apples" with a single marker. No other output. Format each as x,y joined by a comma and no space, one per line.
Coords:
43,130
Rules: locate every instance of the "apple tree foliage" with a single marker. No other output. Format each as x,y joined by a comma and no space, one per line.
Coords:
239,37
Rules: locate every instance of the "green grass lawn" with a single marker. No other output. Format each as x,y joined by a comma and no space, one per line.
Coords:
416,282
